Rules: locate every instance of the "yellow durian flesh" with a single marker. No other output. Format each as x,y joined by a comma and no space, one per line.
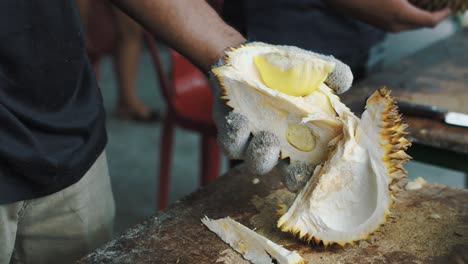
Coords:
348,197
292,74
277,112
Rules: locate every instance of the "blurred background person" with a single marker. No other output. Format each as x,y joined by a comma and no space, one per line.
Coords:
346,29
126,54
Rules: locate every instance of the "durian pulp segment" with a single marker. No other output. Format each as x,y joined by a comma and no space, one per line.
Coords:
291,74
253,247
348,197
279,113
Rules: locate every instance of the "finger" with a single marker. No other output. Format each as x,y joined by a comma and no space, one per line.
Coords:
432,21
442,14
341,78
295,176
262,153
414,17
233,135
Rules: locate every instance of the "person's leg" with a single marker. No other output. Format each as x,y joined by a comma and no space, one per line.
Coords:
127,55
9,215
83,8
62,227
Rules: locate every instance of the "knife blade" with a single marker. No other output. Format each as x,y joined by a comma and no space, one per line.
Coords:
433,112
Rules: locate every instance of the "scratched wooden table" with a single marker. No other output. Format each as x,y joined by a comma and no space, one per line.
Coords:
429,225
425,226
437,75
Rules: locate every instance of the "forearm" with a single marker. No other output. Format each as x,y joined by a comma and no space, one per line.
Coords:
191,27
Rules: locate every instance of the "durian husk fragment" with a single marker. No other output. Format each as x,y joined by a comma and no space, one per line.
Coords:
349,196
252,246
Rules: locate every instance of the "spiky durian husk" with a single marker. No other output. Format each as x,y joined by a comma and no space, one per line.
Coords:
349,197
434,5
253,247
393,133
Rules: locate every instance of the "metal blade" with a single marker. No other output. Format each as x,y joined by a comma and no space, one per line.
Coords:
456,119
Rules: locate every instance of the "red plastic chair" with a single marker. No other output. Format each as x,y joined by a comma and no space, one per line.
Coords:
189,105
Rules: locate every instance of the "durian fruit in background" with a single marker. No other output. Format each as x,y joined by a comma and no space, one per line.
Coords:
433,5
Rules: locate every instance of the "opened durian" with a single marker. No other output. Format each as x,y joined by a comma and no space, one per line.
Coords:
348,197
282,91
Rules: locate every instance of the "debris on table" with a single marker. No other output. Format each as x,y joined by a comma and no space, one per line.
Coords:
415,184
252,246
434,216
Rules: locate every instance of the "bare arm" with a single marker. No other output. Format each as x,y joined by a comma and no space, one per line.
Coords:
191,27
390,15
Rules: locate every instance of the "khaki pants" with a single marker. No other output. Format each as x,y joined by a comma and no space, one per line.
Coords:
62,227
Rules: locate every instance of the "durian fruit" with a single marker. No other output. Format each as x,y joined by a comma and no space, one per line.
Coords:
252,246
281,90
434,5
349,196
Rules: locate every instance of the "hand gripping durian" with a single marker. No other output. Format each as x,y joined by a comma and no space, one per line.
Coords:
282,92
278,108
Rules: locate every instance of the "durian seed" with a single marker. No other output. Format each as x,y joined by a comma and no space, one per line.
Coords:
300,137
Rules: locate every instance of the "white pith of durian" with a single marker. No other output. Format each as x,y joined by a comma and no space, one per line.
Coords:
252,246
274,111
349,196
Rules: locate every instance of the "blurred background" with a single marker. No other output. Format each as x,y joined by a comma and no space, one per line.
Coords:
134,147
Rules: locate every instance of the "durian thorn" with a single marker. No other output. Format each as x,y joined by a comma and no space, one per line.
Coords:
317,240
400,155
383,91
281,210
395,133
301,261
342,244
393,172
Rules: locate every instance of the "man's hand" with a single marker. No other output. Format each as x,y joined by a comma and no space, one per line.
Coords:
390,15
261,152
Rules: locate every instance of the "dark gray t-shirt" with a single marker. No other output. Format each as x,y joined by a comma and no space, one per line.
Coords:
308,24
51,113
